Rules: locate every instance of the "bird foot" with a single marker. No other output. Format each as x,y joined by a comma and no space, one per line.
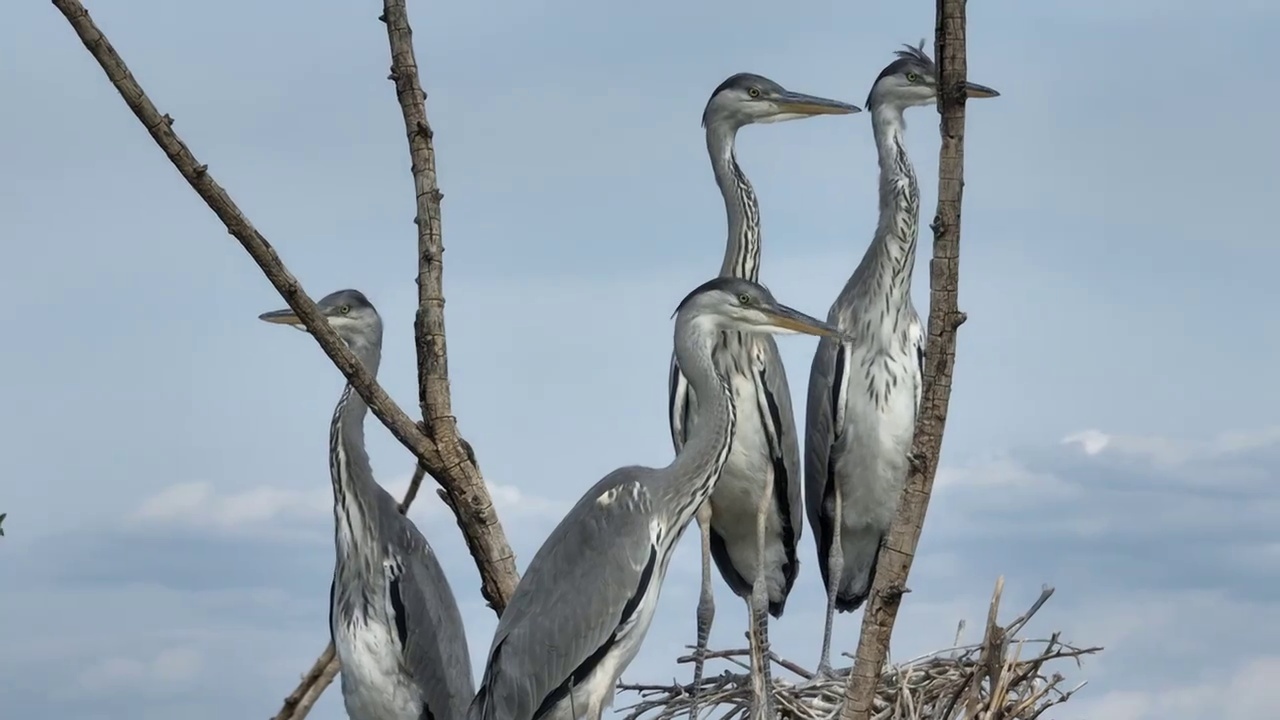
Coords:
918,462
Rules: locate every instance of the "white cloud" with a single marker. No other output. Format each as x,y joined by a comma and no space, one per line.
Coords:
1169,452
264,506
1160,450
1091,441
1248,693
167,670
509,500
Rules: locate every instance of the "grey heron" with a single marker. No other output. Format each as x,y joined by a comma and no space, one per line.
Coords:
392,615
582,609
864,394
753,522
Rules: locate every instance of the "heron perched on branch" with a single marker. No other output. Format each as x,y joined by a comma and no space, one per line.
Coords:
864,394
394,621
583,607
753,522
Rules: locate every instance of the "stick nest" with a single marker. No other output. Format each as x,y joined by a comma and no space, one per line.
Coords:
1005,677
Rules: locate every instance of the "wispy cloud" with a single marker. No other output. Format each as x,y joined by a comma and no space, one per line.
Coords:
166,671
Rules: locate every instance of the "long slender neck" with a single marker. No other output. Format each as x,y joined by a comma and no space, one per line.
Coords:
742,251
697,466
892,255
355,492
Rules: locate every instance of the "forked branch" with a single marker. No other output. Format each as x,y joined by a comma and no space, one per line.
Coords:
441,452
940,353
444,457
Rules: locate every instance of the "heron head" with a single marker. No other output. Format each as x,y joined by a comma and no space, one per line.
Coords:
349,313
729,303
912,80
746,98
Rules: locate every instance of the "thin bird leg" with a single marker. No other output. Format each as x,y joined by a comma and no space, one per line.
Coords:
706,604
835,568
757,605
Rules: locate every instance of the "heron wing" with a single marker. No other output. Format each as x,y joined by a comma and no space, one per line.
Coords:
581,592
825,418
429,624
681,405
784,446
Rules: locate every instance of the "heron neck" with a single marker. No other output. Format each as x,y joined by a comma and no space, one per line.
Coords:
697,466
355,492
742,250
892,253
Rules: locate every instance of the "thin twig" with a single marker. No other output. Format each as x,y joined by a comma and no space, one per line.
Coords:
300,701
945,317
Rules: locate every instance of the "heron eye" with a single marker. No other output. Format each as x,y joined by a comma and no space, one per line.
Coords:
744,299
912,77
755,93
344,309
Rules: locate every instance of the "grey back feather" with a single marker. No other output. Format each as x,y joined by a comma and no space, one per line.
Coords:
435,651
569,601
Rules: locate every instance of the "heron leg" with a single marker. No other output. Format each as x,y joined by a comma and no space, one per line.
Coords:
706,604
758,633
835,568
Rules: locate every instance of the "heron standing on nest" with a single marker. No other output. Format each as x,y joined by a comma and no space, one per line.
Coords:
581,611
392,616
753,521
864,394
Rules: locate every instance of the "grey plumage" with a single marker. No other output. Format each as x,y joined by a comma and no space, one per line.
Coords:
581,611
864,394
763,471
392,615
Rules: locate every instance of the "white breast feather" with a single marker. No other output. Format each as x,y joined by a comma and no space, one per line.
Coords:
373,684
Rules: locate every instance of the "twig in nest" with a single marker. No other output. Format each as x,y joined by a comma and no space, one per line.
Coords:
1003,676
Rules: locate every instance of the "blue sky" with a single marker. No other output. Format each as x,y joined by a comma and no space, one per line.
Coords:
1113,428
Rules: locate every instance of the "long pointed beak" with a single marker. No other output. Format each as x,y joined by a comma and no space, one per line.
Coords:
974,90
789,319
801,104
283,317
280,317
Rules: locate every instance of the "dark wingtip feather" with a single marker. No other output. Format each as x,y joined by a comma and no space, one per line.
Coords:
849,603
776,608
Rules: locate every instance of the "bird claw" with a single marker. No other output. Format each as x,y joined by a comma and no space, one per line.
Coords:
918,462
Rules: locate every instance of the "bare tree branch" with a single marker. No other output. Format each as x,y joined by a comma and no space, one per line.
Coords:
313,684
944,318
444,455
461,479
450,466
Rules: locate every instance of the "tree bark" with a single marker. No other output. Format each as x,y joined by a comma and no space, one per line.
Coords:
457,472
944,318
